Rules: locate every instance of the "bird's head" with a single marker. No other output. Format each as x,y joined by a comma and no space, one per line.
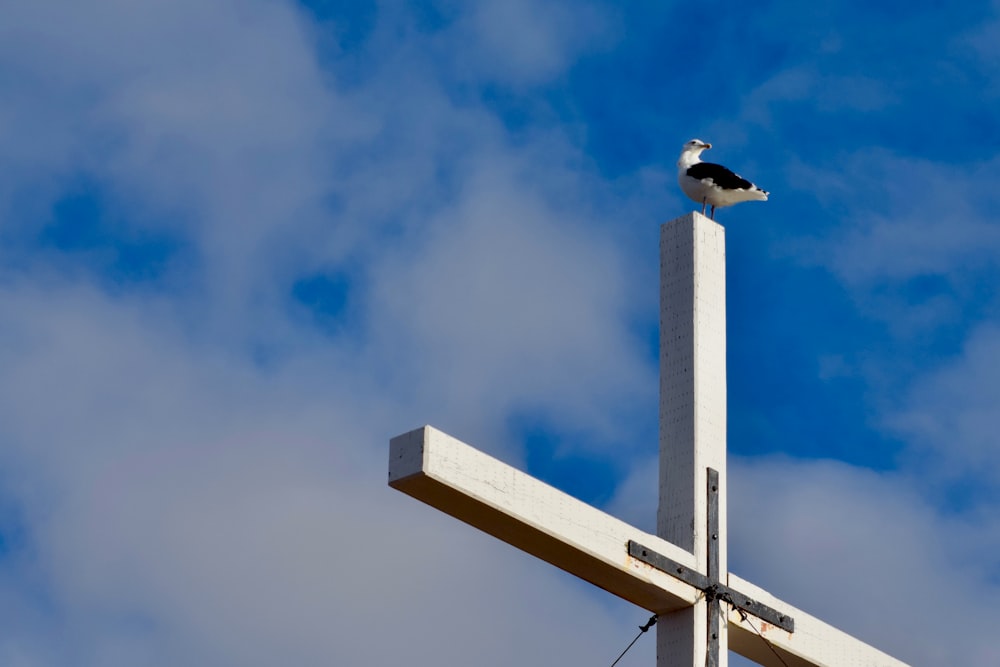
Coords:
696,146
691,152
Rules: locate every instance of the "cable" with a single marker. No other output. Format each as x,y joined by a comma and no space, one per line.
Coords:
746,618
642,628
722,598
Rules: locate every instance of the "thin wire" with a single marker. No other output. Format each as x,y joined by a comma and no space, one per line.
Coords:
746,618
642,628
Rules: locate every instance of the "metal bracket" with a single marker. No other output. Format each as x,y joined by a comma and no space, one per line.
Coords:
711,585
712,591
713,608
668,565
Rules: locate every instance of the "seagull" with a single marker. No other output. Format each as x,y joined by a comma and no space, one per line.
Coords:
712,184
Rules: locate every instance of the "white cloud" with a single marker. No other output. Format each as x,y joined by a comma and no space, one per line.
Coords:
904,217
983,42
825,92
180,503
510,303
524,42
182,507
950,413
868,552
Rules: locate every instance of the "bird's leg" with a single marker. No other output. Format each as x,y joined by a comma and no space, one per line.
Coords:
712,215
704,202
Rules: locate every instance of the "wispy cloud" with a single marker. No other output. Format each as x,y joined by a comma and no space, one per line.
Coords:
800,525
949,415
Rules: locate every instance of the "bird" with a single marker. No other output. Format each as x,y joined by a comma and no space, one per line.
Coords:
712,184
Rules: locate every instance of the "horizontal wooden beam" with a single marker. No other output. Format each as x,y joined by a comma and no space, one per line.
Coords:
498,499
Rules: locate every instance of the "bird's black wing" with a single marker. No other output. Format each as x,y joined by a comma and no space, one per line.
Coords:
721,176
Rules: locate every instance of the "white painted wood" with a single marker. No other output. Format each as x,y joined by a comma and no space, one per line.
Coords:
520,510
500,500
813,644
692,377
692,413
535,517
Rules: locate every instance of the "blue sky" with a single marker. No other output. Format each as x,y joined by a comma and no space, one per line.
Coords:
244,243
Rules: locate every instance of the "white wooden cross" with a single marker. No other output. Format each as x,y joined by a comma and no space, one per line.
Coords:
681,572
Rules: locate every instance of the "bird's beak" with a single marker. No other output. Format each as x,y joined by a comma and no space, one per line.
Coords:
706,146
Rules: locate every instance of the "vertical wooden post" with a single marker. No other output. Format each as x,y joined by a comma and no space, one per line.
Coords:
692,414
